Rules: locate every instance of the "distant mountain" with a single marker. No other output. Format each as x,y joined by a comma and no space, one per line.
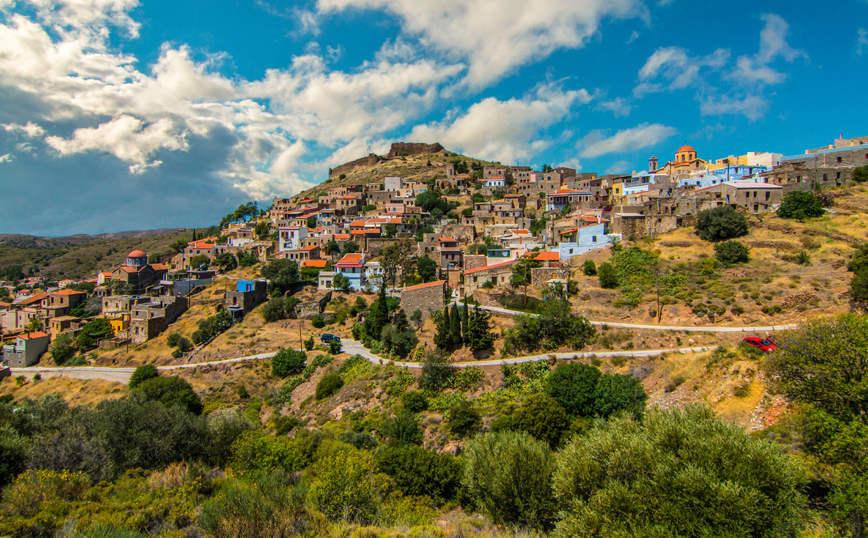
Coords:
36,242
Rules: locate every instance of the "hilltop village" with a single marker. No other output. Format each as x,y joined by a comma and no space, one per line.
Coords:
431,345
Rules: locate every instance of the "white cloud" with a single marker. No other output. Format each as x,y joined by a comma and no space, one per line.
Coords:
712,77
619,106
496,36
773,45
125,137
6,158
30,130
505,131
861,41
620,167
633,37
596,144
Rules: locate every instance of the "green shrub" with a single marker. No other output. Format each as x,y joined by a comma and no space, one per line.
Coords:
318,322
143,373
403,429
721,223
463,419
731,252
542,417
343,488
173,339
414,401
329,385
274,310
309,343
589,268
801,205
608,276
62,348
288,362
508,475
334,347
256,451
574,386
284,425
681,470
242,392
171,390
417,471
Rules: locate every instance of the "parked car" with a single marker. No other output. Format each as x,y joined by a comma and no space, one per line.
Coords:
760,343
326,338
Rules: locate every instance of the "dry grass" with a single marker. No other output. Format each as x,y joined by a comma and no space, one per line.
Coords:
74,391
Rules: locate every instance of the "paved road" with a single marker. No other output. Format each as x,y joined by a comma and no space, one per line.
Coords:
118,375
700,329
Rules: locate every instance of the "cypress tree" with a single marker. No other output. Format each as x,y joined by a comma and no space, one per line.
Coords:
378,318
442,338
455,326
479,335
400,322
465,320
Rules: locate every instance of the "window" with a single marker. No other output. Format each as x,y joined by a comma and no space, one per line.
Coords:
839,159
838,176
594,239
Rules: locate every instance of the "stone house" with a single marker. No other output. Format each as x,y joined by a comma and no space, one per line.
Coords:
754,197
426,298
247,295
25,350
150,319
60,303
498,274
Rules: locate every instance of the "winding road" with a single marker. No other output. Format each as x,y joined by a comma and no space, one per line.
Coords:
122,375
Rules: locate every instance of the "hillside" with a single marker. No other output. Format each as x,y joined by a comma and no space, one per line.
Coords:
81,256
372,169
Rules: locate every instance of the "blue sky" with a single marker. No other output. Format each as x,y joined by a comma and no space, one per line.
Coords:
120,115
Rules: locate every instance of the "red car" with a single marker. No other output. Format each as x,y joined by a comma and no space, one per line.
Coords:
760,343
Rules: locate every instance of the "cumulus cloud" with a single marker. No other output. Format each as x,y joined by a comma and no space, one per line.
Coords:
712,77
644,135
505,131
30,130
619,106
7,158
496,36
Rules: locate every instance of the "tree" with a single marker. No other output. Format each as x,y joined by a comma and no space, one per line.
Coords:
509,475
350,247
393,257
62,348
455,327
13,454
288,362
281,274
378,316
720,223
801,205
417,471
343,488
332,247
171,390
542,417
398,341
200,260
477,198
680,472
143,373
274,310
555,326
463,419
341,282
417,320
859,286
427,268
617,393
226,261
390,230
436,371
589,268
311,222
403,429
328,386
522,274
608,276
443,333
574,386
731,252
478,336
860,174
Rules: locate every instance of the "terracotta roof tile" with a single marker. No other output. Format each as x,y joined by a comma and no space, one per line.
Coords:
501,264
314,263
426,285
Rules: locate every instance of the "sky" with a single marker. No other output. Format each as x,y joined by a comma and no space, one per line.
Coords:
124,115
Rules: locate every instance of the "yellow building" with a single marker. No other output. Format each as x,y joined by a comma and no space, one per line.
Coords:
120,324
685,162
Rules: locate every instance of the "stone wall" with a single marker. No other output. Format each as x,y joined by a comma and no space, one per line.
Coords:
636,228
463,233
142,330
472,261
426,298
540,275
364,162
497,275
314,307
401,149
376,244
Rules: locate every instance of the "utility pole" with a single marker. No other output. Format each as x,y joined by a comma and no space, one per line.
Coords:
659,313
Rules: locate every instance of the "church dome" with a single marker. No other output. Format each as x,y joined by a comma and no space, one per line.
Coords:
137,254
685,148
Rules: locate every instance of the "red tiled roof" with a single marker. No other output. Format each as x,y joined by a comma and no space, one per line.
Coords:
544,256
426,285
448,239
314,263
521,232
501,264
342,236
358,232
351,259
69,292
372,231
310,247
358,223
159,267
39,334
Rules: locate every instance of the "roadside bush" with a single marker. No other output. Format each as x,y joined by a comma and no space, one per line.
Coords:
328,386
617,393
62,348
555,326
681,470
720,223
586,392
309,343
334,347
417,471
143,373
731,252
508,475
288,362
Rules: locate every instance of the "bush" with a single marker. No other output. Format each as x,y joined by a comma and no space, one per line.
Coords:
542,417
681,470
414,401
176,354
318,322
224,428
608,276
554,327
343,488
143,373
721,223
589,268
185,345
309,343
801,205
62,348
463,419
617,393
329,385
403,429
417,471
334,347
574,386
254,451
173,339
508,475
169,391
274,310
288,362
731,252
